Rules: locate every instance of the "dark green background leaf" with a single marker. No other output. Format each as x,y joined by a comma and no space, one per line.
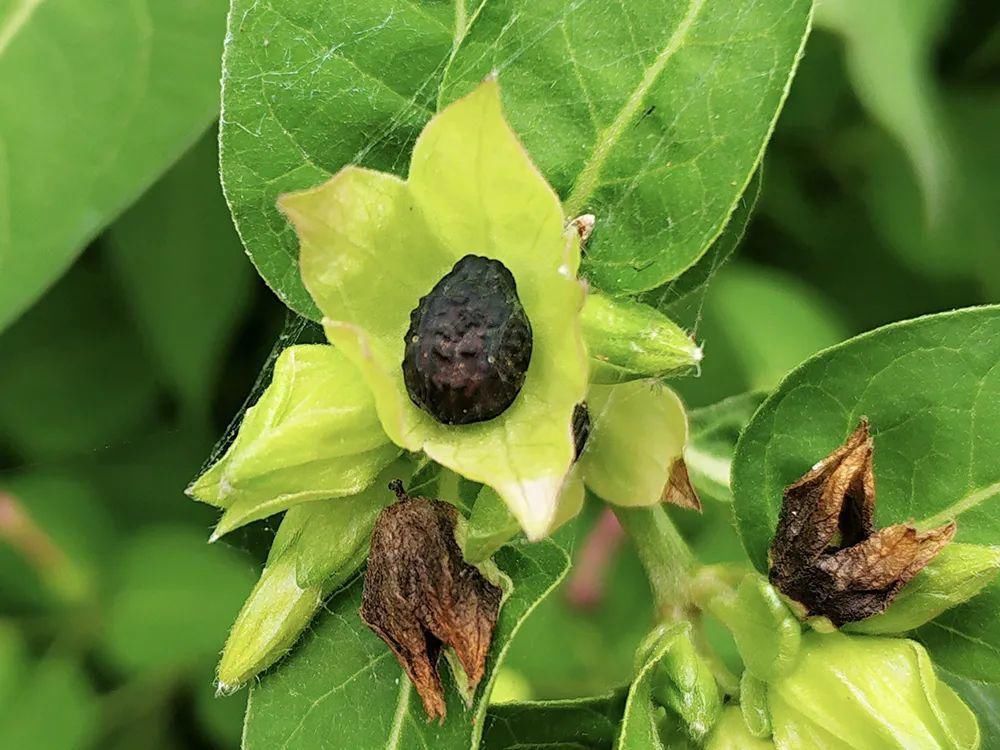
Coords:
96,99
583,724
184,274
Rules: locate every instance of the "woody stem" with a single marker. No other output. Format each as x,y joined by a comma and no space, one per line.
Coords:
665,556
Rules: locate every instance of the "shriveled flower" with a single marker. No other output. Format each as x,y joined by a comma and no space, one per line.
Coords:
388,263
827,554
421,596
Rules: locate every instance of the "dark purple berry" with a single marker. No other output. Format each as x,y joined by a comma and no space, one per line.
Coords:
469,344
581,428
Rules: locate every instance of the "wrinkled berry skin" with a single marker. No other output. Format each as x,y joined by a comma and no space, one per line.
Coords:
469,344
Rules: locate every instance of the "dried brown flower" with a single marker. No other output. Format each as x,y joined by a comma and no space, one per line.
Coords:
827,554
420,595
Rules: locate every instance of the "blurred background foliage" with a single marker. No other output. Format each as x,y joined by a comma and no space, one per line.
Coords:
880,201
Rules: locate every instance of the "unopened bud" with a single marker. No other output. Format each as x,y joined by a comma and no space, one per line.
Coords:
867,691
630,341
313,434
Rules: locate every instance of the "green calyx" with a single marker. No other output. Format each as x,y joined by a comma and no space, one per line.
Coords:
634,455
314,434
631,341
677,678
867,693
372,245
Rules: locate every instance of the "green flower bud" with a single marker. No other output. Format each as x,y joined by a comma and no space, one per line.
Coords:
273,617
318,548
631,341
679,679
958,573
314,434
867,693
635,452
731,733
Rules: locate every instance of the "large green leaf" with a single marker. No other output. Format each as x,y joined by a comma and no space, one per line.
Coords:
184,273
929,388
652,115
580,724
96,100
342,688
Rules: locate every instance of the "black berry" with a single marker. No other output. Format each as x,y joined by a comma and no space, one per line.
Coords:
469,344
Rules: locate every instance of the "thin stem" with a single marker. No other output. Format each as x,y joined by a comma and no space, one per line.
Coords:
665,556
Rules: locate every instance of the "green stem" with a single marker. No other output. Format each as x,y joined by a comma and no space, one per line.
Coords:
665,555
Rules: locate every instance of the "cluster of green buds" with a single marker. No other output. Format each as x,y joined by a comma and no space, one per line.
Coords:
462,344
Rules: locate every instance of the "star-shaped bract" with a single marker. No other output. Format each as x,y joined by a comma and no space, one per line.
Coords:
372,245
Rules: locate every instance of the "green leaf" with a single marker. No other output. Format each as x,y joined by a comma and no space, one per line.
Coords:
373,245
579,724
81,380
713,432
966,640
984,700
184,273
617,111
889,57
929,388
174,599
97,100
341,687
682,299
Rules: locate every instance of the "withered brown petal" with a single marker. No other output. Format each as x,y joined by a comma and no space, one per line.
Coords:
858,574
420,595
892,555
679,490
842,485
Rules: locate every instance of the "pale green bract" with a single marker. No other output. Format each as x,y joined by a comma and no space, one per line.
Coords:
638,433
867,693
371,245
314,434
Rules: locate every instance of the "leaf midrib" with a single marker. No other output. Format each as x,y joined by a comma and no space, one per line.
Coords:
15,21
588,177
